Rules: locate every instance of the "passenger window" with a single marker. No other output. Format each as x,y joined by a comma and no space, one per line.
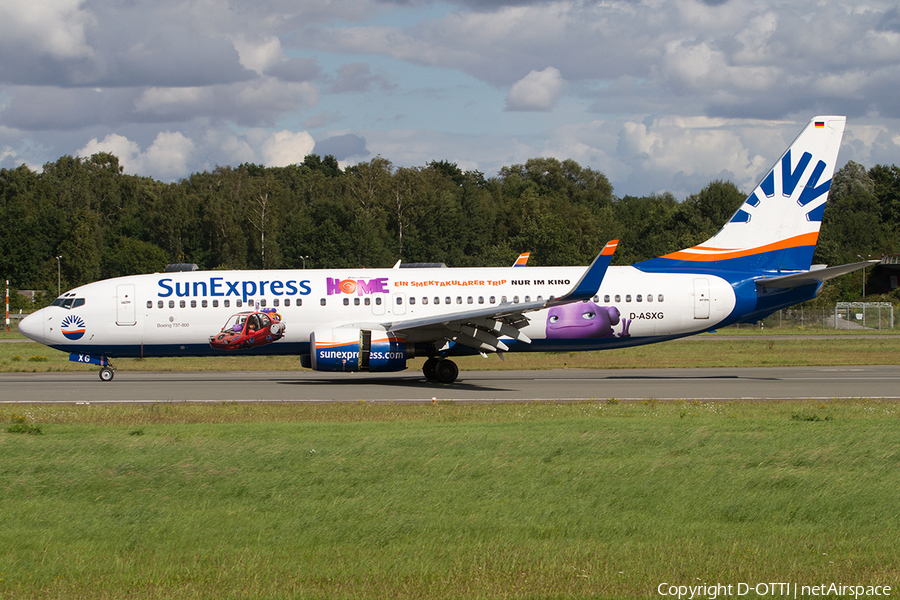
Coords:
470,300
493,299
639,298
355,301
527,298
367,301
660,297
171,304
447,300
322,301
299,302
399,300
618,298
412,300
238,303
226,303
595,299
182,304
215,304
424,299
515,299
193,304
346,301
480,299
649,297
627,297
262,302
459,299
287,302
606,298
160,304
378,301
149,303
502,299
204,304
276,302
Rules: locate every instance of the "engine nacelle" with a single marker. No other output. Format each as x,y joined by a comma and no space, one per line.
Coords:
352,349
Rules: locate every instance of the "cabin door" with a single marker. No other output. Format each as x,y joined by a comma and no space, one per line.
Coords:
701,298
125,305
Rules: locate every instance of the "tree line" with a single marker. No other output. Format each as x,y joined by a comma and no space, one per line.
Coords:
104,223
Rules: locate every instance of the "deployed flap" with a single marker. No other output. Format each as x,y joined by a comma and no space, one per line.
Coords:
817,276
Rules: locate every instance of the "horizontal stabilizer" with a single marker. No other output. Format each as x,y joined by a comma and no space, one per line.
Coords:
816,276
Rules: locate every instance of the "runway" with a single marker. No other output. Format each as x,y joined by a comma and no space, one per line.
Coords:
472,386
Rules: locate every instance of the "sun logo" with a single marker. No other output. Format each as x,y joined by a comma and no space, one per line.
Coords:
72,327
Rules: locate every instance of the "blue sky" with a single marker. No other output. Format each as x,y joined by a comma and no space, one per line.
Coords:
660,95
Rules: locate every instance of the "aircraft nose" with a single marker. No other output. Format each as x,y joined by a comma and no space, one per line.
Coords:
32,326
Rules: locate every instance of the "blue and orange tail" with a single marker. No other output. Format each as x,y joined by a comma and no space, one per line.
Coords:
777,227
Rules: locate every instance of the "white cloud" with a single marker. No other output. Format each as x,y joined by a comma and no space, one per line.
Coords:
168,157
258,55
125,150
284,148
54,27
539,90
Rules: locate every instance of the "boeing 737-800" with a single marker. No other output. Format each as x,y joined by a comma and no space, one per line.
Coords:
377,319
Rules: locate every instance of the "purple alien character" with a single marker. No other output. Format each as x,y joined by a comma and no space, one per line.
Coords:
583,320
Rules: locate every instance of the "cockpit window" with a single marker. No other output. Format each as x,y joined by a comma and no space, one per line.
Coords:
68,302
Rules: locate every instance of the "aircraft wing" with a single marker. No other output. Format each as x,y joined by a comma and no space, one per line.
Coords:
814,276
482,328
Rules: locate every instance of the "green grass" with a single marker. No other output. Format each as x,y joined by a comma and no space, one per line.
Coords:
366,500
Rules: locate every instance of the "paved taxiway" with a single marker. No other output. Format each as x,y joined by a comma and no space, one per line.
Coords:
484,386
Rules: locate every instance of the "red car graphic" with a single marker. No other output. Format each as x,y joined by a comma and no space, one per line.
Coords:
249,329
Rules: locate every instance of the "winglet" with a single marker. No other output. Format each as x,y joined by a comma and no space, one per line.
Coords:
590,282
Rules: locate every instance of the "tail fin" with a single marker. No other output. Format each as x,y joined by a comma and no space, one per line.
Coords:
778,225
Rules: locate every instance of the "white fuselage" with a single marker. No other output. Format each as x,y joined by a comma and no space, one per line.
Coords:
176,313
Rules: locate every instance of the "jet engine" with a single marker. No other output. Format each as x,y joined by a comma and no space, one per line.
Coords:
352,349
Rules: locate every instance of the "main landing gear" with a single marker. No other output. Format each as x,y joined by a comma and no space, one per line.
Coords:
440,370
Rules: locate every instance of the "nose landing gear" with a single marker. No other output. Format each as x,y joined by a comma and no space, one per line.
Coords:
107,370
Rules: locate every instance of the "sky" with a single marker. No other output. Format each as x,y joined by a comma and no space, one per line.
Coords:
659,95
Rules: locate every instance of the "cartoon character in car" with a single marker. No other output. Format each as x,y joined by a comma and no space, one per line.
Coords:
249,329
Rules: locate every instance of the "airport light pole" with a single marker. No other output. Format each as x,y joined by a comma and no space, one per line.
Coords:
58,277
868,256
303,258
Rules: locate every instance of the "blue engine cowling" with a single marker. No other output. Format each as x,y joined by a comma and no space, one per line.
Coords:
351,349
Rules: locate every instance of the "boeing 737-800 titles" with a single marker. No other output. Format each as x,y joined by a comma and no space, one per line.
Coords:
377,319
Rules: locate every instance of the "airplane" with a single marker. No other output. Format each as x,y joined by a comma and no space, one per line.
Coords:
375,320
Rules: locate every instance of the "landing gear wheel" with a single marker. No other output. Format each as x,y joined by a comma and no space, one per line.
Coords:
106,374
446,371
428,369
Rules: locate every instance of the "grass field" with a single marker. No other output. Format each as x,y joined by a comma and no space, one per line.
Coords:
362,500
